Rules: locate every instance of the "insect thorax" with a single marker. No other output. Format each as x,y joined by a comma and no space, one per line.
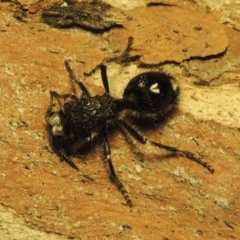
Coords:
90,113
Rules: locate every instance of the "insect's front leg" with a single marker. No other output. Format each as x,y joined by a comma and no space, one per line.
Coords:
81,142
59,145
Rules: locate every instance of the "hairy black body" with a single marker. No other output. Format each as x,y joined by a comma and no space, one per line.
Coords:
75,120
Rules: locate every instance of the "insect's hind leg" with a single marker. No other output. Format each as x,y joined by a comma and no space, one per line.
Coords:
186,154
112,173
174,150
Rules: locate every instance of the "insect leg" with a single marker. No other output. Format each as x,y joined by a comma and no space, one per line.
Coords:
186,154
75,80
67,159
112,173
104,77
174,150
62,154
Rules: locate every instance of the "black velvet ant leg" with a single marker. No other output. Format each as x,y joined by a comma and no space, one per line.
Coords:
186,154
75,80
174,150
104,77
112,173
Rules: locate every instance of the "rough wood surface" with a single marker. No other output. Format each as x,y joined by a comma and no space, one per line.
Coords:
174,198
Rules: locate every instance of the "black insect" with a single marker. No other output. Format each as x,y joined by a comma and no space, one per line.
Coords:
75,120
